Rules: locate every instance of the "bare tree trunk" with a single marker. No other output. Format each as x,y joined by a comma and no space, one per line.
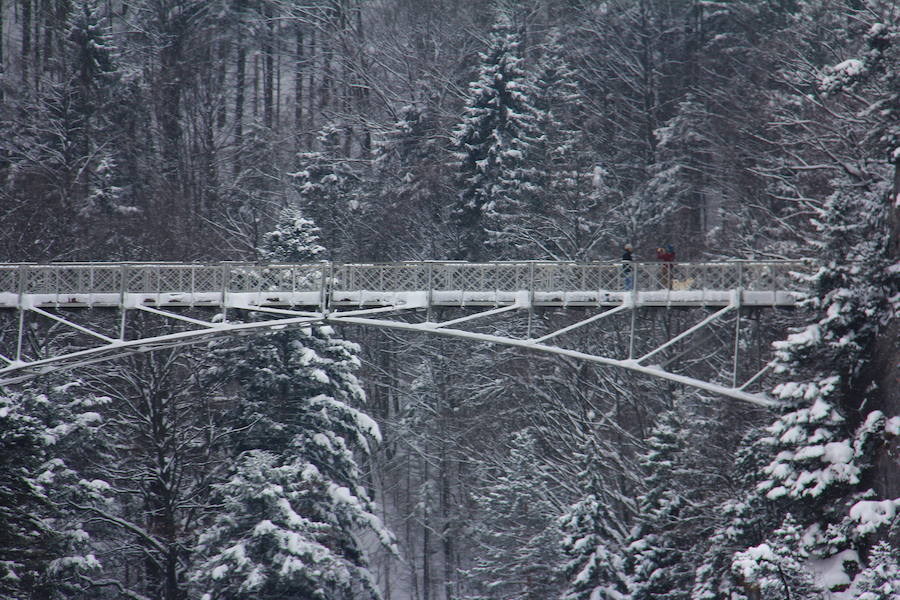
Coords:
240,84
888,359
26,38
268,71
221,75
298,86
49,24
426,543
2,55
310,96
277,117
255,87
325,86
36,44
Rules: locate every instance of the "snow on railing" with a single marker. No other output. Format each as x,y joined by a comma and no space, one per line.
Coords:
91,279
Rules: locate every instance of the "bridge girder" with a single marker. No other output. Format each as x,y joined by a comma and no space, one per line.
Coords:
366,294
17,371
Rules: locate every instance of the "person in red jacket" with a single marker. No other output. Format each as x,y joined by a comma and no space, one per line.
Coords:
667,257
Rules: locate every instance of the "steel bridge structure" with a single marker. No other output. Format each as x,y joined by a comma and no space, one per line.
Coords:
379,295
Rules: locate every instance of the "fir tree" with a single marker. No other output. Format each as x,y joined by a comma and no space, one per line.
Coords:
518,507
295,240
571,215
493,144
282,530
331,190
881,579
295,504
45,549
594,534
658,555
775,570
828,450
411,164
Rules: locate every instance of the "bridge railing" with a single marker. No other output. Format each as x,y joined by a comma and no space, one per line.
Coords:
77,279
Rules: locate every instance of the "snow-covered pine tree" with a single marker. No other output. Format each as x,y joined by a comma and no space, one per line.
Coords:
517,543
283,529
65,140
493,144
881,579
330,186
832,448
295,506
93,79
569,216
410,165
295,239
45,551
593,537
658,555
776,570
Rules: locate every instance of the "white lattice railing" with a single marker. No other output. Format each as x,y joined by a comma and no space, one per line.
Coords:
187,278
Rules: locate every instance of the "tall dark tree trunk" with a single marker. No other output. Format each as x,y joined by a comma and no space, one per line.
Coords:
26,38
2,59
268,71
240,84
310,95
298,86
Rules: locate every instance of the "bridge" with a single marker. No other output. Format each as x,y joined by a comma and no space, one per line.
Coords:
379,295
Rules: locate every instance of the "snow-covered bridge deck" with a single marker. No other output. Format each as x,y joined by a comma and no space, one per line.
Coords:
431,283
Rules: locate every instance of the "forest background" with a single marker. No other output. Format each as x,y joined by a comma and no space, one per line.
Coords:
388,130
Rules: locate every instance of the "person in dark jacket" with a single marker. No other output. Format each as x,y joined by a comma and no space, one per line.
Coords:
627,269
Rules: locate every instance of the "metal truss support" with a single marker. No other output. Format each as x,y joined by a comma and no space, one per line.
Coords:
75,326
687,332
487,313
632,365
582,323
17,370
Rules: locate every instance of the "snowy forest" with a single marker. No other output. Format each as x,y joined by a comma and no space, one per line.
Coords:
354,464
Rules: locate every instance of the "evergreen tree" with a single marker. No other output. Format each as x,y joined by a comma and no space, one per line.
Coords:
881,579
330,189
283,530
594,534
658,555
571,215
494,145
45,550
829,448
295,505
411,165
296,240
773,571
517,541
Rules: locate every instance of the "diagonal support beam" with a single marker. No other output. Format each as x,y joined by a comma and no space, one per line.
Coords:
19,371
632,365
68,323
8,361
757,376
318,315
687,332
275,311
171,315
587,321
487,313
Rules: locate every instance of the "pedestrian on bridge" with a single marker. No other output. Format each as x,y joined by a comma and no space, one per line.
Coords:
667,256
627,268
